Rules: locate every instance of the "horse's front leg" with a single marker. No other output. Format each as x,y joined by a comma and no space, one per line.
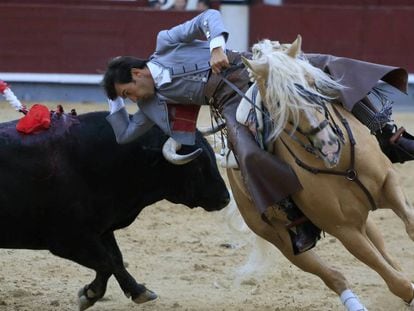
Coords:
362,248
278,235
375,236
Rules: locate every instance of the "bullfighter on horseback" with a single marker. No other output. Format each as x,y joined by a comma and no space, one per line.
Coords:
184,73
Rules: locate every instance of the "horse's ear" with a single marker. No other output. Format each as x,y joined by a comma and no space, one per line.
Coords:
259,68
295,48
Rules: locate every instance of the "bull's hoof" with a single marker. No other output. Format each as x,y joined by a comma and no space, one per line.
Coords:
148,295
83,301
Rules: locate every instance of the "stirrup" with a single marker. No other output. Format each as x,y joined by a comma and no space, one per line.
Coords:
303,233
401,141
391,142
398,133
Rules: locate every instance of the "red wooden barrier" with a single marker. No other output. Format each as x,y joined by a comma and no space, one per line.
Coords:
376,34
80,36
70,38
352,2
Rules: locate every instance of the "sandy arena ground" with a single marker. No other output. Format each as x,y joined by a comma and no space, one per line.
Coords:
184,256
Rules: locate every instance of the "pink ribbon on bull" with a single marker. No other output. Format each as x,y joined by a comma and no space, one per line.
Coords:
3,86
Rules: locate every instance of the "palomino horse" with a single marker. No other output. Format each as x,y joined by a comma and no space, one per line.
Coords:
298,99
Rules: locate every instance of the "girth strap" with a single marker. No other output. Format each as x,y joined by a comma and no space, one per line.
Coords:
350,174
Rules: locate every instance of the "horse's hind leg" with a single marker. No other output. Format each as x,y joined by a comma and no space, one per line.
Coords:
397,201
362,248
376,238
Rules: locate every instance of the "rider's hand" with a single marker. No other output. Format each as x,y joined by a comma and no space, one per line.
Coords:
116,104
219,60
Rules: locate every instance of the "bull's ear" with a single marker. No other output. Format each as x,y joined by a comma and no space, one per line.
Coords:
258,68
295,47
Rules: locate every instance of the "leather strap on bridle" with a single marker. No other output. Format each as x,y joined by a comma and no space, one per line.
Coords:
238,91
350,174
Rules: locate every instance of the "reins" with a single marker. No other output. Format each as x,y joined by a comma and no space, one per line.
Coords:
315,130
238,91
351,173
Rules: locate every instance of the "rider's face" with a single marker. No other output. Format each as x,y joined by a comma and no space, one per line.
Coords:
140,88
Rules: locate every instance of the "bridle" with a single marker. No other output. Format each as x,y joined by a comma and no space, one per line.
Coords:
351,173
328,120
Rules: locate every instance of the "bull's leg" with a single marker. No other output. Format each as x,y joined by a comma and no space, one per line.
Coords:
89,252
95,254
91,293
138,292
361,247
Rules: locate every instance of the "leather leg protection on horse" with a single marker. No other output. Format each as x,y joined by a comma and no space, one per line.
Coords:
397,144
303,233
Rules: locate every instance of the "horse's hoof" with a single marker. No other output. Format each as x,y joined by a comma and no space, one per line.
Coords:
83,301
411,303
148,295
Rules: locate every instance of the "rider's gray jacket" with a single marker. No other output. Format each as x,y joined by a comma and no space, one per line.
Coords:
187,59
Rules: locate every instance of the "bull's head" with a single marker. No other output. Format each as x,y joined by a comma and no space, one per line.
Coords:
170,148
199,182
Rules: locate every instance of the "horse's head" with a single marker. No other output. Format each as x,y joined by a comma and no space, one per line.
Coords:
319,128
267,46
296,95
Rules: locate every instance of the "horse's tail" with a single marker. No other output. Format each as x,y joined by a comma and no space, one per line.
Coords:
261,252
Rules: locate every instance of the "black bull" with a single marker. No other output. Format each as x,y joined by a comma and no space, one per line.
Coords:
67,190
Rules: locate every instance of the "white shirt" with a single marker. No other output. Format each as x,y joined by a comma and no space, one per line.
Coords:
162,75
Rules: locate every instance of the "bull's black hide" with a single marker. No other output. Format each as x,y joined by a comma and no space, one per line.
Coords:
67,190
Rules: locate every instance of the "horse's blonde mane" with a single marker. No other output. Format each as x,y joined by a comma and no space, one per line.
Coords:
291,85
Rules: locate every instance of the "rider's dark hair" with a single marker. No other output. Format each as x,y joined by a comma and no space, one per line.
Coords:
119,71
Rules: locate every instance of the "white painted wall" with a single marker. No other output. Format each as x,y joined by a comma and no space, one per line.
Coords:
236,20
273,2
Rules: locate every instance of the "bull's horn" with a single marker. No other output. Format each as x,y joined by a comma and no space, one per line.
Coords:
169,150
210,130
295,48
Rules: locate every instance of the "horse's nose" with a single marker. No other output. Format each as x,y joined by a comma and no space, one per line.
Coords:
226,201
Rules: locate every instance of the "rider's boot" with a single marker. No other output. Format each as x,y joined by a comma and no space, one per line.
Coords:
396,143
303,233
